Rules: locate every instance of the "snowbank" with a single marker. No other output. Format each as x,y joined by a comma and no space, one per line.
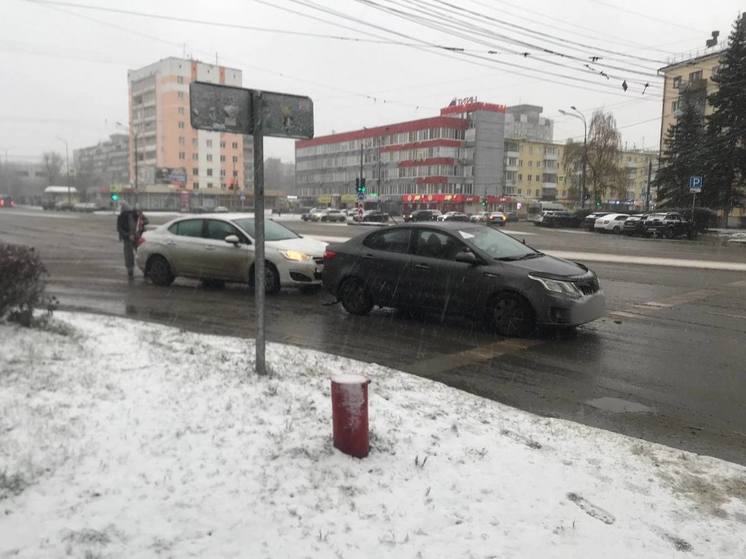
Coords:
122,439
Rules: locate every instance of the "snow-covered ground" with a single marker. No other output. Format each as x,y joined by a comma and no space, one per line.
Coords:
122,439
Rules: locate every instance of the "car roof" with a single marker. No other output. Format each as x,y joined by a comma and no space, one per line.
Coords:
448,225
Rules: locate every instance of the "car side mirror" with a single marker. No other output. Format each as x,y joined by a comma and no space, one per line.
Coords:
467,257
233,240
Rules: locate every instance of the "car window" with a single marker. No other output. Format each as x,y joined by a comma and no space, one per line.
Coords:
219,230
495,244
187,228
434,244
273,231
620,217
395,240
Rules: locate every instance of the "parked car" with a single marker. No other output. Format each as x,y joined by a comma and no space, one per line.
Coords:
496,218
374,216
611,223
633,225
479,217
512,217
6,201
422,215
668,225
466,269
453,216
560,219
220,247
220,210
541,216
329,215
84,207
306,215
589,222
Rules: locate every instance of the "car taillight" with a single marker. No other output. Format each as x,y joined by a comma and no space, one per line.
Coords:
329,255
139,241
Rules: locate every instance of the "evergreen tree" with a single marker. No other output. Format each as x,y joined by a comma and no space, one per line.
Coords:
726,126
682,158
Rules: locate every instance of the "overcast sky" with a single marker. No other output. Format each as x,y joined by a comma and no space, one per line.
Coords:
65,68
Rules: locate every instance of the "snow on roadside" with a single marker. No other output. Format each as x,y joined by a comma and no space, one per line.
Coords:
122,439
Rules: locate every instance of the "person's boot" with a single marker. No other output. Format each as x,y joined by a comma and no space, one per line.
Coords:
130,274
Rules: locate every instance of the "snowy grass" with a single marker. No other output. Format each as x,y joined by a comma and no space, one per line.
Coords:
121,439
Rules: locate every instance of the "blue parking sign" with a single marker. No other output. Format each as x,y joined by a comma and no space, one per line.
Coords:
695,185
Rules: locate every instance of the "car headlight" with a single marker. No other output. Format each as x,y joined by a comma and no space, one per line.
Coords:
558,286
295,256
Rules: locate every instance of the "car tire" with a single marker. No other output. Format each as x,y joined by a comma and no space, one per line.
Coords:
158,270
354,296
271,278
668,233
511,315
617,230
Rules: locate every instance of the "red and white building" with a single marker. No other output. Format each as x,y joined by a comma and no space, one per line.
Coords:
449,160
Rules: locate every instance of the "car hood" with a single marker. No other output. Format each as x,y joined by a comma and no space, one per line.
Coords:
303,244
550,267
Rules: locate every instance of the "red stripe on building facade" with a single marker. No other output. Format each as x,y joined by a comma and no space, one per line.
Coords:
441,142
411,126
471,107
424,162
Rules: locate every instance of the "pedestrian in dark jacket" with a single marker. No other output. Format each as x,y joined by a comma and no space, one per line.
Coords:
127,229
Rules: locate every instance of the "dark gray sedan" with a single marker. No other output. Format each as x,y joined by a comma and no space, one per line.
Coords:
461,268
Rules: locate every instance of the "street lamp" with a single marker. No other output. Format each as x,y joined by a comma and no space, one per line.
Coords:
134,134
580,116
67,166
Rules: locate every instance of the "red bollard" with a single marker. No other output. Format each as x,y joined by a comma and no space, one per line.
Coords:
350,414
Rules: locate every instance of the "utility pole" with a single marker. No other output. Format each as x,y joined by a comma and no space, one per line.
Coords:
647,195
67,166
259,273
134,137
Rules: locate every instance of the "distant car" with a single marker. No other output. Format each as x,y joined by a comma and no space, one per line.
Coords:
560,219
464,269
633,225
479,217
611,223
496,218
306,215
220,210
668,225
453,216
422,215
540,217
329,215
374,216
589,222
84,207
220,247
512,216
64,205
6,201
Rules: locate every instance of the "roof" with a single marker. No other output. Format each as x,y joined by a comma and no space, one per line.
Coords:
693,60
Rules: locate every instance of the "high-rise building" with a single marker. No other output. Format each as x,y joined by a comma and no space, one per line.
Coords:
524,122
168,150
688,82
533,170
456,157
106,163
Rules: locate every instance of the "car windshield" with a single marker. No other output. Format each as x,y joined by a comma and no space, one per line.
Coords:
496,244
273,231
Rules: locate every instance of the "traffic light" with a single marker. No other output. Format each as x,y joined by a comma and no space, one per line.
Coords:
114,197
360,185
484,202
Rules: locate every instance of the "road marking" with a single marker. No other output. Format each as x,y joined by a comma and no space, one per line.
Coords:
729,315
445,362
45,215
643,310
624,314
522,233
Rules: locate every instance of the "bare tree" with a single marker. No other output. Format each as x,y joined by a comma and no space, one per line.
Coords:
605,174
53,163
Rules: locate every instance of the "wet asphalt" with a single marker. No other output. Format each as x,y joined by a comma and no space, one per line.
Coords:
668,363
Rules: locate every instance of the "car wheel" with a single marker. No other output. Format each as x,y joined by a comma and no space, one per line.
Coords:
512,316
355,297
158,271
271,279
668,233
617,230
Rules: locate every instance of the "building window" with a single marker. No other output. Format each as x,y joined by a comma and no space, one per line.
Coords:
181,124
222,158
222,172
195,185
235,174
674,106
182,140
195,156
209,185
530,163
195,143
209,143
180,94
537,178
520,178
182,155
195,171
222,144
520,162
235,145
677,82
180,110
694,76
530,178
209,172
209,157
222,185
235,159
537,193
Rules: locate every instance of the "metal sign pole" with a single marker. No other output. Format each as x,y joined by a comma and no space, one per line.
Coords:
259,273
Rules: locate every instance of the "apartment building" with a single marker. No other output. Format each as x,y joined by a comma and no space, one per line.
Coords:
163,145
106,163
533,170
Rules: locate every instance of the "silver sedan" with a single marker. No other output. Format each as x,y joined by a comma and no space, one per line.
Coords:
221,248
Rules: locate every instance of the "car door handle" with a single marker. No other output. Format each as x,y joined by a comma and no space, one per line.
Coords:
421,267
490,275
368,256
171,243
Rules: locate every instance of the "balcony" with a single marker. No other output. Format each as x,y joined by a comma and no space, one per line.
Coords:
693,86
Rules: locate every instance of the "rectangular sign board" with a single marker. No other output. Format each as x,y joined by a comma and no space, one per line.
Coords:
286,116
220,108
695,185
